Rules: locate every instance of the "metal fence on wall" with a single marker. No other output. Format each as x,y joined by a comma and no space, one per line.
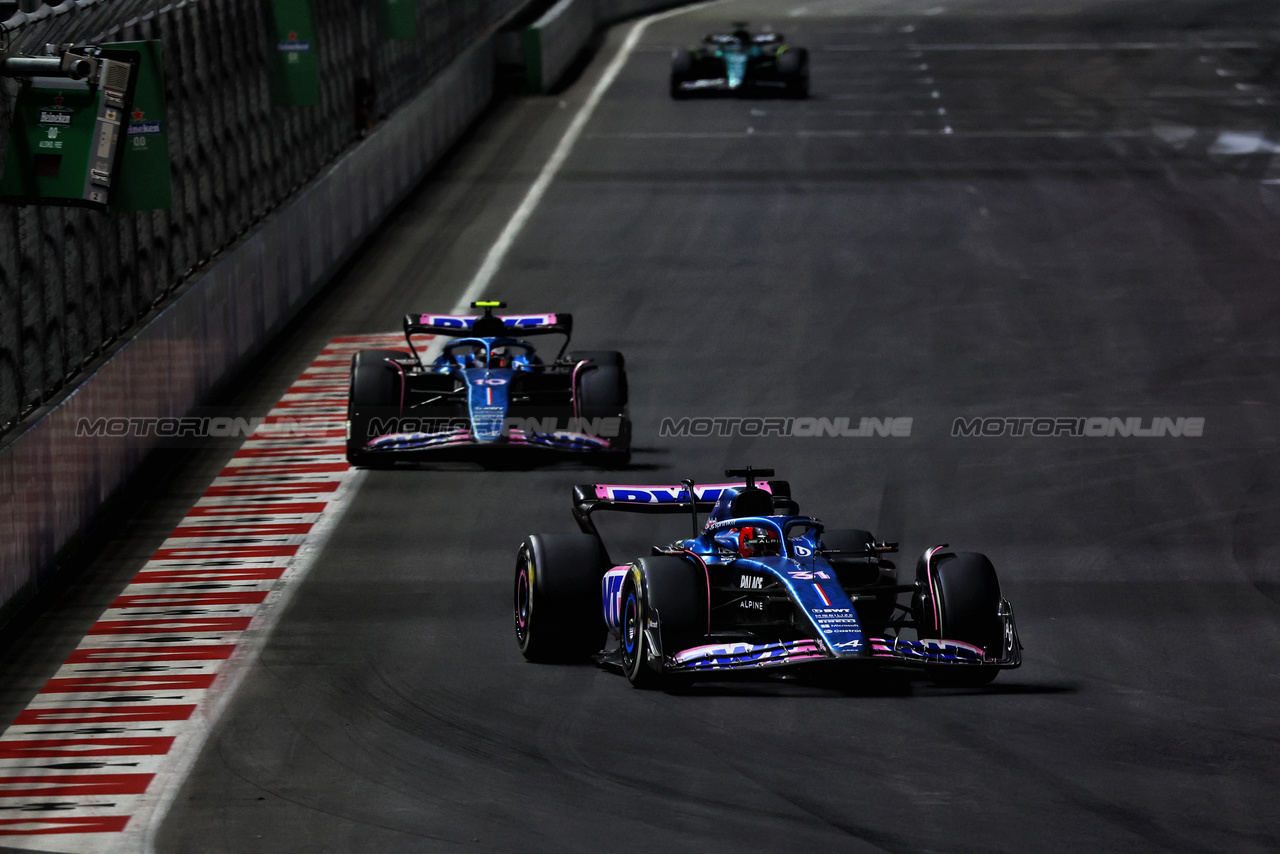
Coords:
72,281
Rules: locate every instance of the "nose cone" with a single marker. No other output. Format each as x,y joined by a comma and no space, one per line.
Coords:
487,401
736,66
816,590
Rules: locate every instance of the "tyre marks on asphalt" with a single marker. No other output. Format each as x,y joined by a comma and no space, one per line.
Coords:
94,760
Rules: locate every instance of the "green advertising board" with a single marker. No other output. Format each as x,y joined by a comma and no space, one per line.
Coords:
145,183
398,19
49,140
64,139
295,65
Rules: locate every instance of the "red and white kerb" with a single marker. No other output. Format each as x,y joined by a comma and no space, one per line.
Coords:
94,760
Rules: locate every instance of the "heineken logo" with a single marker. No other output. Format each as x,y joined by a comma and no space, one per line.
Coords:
293,47
60,118
144,128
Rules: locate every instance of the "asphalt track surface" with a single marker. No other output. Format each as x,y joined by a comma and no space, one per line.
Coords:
984,210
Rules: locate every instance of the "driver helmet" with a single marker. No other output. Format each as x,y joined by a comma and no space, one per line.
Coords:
759,542
500,357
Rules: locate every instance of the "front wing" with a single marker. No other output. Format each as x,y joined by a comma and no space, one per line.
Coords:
880,650
426,445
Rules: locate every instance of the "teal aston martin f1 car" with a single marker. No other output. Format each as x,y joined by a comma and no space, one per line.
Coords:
741,62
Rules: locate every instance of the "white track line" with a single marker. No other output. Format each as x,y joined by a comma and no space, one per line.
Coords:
498,252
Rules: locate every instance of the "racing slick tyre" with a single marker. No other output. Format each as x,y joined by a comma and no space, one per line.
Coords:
602,390
854,570
376,387
853,546
619,454
672,590
793,66
681,66
600,357
853,540
558,614
967,609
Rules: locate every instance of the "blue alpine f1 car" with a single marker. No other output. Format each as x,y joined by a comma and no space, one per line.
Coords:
757,586
741,62
487,392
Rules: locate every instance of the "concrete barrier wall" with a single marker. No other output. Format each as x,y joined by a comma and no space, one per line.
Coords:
52,484
554,41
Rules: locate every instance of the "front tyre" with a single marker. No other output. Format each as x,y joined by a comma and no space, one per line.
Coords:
377,386
664,611
681,68
641,662
962,602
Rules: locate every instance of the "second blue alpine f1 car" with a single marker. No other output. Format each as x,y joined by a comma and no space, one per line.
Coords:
487,392
758,586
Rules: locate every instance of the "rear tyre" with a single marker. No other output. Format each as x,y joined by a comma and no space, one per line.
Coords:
602,391
849,540
966,609
376,389
558,613
793,66
672,591
853,570
600,357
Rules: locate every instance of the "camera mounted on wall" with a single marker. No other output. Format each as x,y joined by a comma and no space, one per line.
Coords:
66,134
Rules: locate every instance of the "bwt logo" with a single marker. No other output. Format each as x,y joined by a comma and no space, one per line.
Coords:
707,493
515,321
656,495
801,427
1077,426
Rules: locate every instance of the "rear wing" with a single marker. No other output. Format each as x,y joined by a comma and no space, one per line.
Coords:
462,325
668,498
488,325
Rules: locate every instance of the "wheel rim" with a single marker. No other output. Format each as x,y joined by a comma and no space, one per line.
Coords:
630,631
524,605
